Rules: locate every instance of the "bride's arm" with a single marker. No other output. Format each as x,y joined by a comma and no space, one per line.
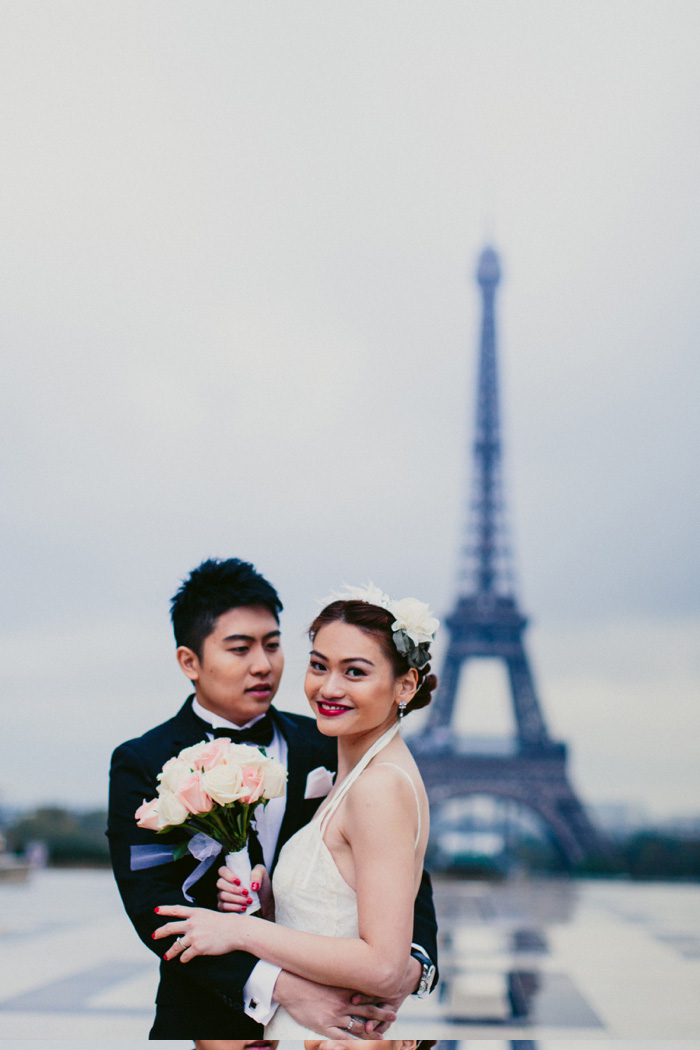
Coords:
379,822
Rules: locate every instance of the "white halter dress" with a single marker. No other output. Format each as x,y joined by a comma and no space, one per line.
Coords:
310,893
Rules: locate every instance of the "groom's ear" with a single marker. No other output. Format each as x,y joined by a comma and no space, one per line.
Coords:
188,661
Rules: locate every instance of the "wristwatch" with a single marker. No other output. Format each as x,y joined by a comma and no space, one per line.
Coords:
427,971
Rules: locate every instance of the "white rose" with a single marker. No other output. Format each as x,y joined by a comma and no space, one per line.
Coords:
415,619
191,754
275,778
244,755
170,810
174,771
223,783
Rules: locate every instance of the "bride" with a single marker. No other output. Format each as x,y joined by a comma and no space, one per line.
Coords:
343,891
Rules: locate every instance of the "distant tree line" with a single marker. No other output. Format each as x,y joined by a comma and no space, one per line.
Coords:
71,838
74,838
643,855
647,855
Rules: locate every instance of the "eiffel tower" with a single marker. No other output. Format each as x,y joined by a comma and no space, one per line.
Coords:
486,622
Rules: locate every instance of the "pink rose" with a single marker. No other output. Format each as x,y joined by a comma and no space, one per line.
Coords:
253,783
214,754
147,815
193,796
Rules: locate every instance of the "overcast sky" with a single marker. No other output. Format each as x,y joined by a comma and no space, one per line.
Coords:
239,317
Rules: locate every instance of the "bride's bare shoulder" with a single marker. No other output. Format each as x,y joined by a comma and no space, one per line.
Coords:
383,787
398,754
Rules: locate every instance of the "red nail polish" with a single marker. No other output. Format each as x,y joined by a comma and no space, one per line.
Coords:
236,882
249,901
255,886
157,910
153,936
166,956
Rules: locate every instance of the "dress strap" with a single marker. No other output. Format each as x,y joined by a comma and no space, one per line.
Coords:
354,773
413,789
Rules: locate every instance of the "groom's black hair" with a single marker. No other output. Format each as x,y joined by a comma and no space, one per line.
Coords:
212,589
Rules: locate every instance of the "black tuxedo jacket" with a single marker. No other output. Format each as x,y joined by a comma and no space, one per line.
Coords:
204,999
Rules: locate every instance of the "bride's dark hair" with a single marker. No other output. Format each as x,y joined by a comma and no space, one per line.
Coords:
377,621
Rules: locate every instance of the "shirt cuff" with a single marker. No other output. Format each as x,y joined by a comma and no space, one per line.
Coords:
257,992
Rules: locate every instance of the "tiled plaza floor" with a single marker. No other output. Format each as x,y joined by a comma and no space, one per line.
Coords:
568,960
544,961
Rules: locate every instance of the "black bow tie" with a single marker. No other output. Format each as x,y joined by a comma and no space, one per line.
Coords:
260,734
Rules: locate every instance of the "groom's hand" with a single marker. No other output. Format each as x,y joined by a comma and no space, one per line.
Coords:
328,1010
408,987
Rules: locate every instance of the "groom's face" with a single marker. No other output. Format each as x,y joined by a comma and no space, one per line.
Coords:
239,670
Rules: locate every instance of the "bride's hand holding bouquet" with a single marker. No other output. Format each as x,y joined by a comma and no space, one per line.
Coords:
233,897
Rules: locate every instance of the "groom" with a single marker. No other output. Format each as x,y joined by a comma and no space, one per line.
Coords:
226,623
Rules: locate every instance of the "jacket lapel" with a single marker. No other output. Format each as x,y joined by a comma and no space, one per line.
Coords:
188,729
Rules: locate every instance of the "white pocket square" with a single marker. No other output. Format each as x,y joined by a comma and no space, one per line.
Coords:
319,782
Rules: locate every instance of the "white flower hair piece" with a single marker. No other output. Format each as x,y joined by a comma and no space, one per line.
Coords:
414,626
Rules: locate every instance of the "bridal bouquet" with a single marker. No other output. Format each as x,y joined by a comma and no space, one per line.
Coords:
211,791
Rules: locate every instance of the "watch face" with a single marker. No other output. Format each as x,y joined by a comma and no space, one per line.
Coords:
426,981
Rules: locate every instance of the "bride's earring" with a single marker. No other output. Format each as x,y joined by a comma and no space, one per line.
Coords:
402,708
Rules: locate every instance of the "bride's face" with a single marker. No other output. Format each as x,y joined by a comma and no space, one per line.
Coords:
350,682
